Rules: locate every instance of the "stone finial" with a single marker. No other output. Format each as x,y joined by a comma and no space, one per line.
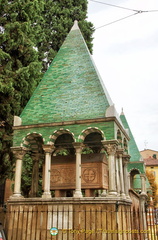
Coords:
75,26
122,113
17,121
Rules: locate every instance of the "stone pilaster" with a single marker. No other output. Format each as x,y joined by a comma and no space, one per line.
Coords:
78,148
48,149
19,154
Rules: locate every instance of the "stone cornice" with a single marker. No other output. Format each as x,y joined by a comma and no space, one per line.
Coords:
65,123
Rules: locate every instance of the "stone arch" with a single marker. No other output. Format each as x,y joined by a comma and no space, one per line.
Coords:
134,172
119,137
59,132
89,130
63,141
91,139
32,164
33,142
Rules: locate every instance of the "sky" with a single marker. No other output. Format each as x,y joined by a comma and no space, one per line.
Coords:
126,56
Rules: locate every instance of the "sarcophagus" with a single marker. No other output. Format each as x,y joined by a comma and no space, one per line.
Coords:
94,172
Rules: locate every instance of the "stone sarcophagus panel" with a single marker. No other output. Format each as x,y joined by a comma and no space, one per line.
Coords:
94,172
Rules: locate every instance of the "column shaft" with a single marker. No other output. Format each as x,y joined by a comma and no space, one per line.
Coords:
121,176
19,153
78,192
48,151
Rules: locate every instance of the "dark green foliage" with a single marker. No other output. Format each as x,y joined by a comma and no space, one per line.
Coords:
26,178
20,69
59,16
31,32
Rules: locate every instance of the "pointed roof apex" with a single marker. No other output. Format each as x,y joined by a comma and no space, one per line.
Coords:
122,113
75,26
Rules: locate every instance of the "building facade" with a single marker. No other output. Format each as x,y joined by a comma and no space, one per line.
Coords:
82,153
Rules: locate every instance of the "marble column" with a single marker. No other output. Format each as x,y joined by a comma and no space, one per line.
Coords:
121,174
118,185
126,177
19,154
35,175
111,147
143,183
78,148
48,149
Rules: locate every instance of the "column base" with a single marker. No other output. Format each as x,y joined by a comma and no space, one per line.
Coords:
77,194
123,195
112,193
104,193
16,195
46,195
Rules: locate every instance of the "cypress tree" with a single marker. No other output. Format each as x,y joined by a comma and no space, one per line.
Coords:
58,16
20,69
31,34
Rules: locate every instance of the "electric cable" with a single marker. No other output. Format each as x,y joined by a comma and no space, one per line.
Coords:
112,5
120,19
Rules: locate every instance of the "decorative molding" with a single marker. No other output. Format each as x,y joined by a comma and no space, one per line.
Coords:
96,120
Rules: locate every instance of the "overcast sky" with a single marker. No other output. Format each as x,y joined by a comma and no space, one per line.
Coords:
126,55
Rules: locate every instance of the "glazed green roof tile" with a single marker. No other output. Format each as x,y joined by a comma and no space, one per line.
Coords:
133,149
71,89
136,165
137,183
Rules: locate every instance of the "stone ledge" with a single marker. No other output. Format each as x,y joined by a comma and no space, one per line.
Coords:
70,200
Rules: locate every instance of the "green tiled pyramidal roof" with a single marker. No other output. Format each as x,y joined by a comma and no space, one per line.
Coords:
71,89
133,149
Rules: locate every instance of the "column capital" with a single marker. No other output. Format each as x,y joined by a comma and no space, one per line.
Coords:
142,175
126,158
48,148
18,152
119,152
110,146
77,144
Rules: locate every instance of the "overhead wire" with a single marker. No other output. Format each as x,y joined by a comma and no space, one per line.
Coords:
120,19
112,5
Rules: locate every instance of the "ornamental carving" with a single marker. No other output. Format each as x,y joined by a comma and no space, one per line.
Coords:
111,149
68,175
89,175
55,176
